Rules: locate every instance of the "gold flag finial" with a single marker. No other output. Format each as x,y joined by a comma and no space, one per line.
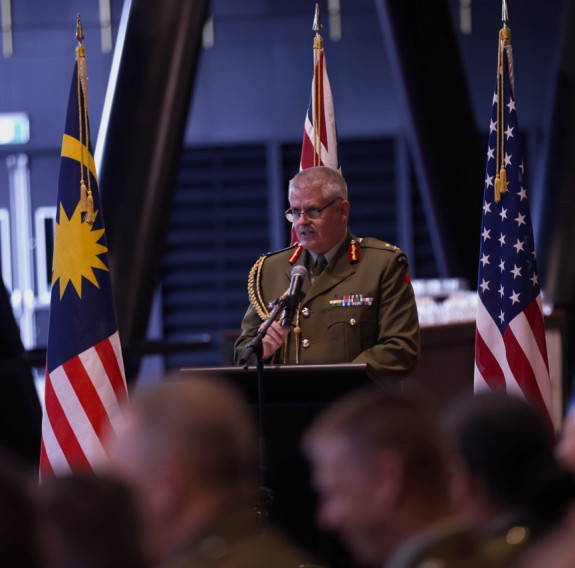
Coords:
79,30
316,21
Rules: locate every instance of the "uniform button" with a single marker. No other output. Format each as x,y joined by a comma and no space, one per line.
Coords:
305,343
305,312
352,321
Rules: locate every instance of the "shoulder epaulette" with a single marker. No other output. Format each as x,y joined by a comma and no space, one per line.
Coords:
372,242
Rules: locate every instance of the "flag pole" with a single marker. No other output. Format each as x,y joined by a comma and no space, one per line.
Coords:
504,13
318,87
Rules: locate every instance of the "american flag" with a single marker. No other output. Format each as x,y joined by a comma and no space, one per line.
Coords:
510,348
85,381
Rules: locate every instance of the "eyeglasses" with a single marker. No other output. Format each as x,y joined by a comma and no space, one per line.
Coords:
311,213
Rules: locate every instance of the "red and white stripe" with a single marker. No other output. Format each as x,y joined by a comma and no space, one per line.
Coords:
82,402
319,147
517,360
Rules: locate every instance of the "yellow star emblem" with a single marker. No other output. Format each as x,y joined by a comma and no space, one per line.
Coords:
76,251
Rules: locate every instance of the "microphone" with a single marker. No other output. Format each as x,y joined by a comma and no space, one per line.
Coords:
294,295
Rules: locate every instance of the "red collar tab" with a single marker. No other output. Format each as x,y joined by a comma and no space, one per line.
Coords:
353,252
295,254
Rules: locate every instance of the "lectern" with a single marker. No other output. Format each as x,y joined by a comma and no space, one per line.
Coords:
294,384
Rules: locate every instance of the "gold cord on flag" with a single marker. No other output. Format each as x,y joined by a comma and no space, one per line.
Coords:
86,199
501,173
317,88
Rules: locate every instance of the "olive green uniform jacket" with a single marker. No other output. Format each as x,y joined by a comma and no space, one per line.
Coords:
445,545
238,541
360,309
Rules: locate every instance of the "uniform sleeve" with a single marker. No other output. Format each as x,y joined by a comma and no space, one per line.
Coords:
250,325
397,348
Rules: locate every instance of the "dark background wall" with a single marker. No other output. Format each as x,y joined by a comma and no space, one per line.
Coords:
244,130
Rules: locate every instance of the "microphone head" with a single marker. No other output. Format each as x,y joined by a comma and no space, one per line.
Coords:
299,270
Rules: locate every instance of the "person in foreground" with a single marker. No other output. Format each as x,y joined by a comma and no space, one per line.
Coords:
507,484
189,450
359,304
381,473
556,549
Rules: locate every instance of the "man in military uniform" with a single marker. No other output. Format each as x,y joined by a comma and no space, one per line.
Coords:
381,472
189,450
358,307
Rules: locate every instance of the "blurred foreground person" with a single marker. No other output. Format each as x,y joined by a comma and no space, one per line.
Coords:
381,473
18,547
507,484
88,521
557,548
189,449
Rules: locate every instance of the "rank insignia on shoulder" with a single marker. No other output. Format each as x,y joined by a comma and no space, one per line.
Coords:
401,259
353,252
350,300
295,254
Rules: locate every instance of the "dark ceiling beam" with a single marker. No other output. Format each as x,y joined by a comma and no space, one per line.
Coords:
142,147
555,187
556,190
449,162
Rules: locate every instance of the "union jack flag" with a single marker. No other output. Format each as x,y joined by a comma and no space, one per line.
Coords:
85,381
319,147
510,347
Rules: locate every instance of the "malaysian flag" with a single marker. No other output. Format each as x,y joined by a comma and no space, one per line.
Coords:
510,348
85,381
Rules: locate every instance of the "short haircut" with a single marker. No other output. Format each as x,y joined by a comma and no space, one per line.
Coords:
372,420
206,423
506,441
323,179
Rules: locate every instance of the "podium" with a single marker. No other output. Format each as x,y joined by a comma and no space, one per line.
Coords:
292,395
294,384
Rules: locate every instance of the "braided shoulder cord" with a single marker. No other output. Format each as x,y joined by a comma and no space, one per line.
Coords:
255,290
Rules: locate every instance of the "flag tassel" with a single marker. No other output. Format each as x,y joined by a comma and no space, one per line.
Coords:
501,175
86,199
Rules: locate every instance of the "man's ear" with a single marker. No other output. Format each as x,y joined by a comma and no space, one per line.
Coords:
389,472
171,486
345,208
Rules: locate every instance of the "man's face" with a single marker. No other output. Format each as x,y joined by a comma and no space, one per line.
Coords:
349,500
318,235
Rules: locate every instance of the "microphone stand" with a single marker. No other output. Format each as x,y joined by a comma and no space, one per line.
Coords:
264,496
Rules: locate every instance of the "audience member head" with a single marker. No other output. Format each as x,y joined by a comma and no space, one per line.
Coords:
504,461
189,450
89,521
379,467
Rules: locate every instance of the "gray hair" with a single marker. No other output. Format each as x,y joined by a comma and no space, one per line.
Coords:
326,180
